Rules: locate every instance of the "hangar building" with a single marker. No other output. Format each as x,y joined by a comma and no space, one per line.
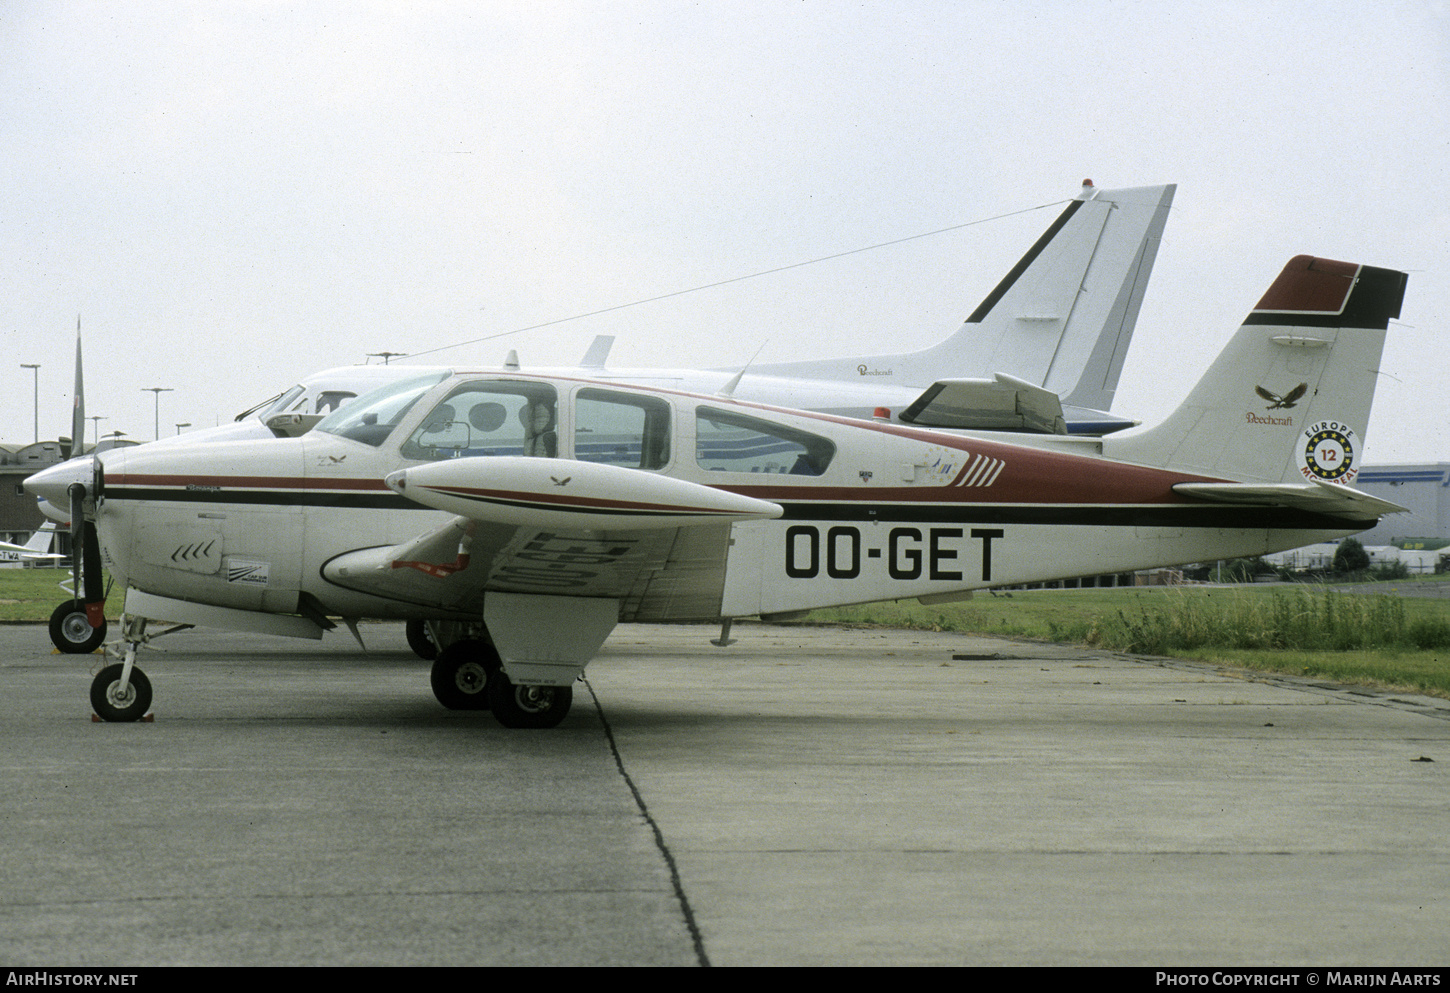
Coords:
1424,488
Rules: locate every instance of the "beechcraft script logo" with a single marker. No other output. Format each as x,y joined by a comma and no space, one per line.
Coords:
1284,402
1328,453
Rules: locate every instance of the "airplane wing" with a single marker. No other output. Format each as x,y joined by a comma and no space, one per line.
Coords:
529,525
1003,403
1329,498
31,554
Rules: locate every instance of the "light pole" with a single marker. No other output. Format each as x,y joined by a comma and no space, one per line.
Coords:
36,369
157,390
97,426
180,426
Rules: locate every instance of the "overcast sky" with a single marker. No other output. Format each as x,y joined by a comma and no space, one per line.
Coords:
234,194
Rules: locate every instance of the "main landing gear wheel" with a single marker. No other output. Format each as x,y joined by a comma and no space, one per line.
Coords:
420,640
461,674
112,703
527,706
71,631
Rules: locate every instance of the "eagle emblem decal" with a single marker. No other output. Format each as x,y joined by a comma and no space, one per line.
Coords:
1284,402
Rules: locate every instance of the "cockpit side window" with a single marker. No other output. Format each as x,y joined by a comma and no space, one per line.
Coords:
621,429
330,400
488,417
728,441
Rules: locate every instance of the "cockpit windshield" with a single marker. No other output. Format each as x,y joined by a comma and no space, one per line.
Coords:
272,405
371,417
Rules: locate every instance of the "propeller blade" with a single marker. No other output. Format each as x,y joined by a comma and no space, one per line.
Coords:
77,494
95,593
86,559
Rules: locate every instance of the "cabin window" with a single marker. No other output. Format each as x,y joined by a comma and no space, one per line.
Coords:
727,441
488,417
621,429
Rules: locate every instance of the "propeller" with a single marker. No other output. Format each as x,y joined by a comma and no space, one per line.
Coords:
86,559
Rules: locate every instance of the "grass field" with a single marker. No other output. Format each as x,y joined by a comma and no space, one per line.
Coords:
30,594
1365,638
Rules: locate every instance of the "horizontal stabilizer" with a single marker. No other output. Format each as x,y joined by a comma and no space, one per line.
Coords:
1328,498
552,493
1002,403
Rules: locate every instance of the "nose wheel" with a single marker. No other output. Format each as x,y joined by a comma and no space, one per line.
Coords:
118,696
71,631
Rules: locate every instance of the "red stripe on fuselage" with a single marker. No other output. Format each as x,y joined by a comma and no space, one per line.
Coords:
573,502
247,482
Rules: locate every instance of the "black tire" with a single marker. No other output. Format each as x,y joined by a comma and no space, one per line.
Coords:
528,706
71,631
420,640
462,673
112,705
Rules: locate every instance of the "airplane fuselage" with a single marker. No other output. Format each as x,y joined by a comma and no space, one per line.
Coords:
867,511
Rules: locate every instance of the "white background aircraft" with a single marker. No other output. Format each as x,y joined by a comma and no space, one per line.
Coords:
36,549
1056,329
523,516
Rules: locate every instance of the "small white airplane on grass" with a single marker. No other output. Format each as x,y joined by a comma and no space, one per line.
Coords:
522,517
37,549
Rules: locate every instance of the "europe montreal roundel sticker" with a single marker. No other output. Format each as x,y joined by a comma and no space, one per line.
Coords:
1329,452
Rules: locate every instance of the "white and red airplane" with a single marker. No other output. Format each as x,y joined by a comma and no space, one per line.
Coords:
522,517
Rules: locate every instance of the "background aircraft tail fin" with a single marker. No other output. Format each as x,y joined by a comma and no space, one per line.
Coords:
1289,398
1061,319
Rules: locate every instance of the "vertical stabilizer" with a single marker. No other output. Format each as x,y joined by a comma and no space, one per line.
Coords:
1289,398
78,410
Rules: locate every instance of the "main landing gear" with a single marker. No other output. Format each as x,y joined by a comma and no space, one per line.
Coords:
461,673
421,641
468,675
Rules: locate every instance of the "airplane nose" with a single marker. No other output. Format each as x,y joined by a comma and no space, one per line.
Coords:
53,485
